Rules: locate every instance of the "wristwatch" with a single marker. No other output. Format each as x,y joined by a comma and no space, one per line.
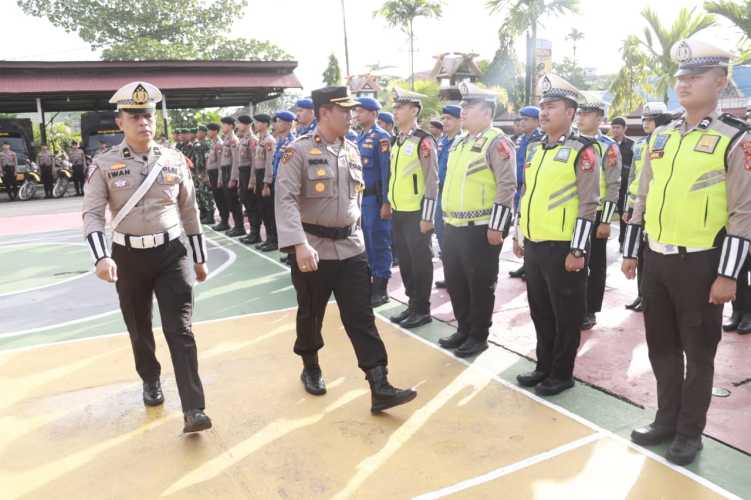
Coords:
577,253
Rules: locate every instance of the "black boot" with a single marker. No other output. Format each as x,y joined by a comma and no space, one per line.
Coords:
383,394
652,434
732,324
684,449
253,238
238,230
634,304
196,421
416,319
744,326
552,386
269,246
531,379
471,347
590,320
440,284
152,393
398,318
311,376
453,341
378,293
222,226
519,273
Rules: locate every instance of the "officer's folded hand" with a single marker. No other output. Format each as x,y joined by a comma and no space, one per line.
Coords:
386,211
574,264
722,291
106,270
266,191
628,268
306,257
603,231
495,238
626,217
233,184
426,226
518,250
202,271
252,185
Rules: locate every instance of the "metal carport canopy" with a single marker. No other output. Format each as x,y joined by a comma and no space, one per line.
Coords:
88,85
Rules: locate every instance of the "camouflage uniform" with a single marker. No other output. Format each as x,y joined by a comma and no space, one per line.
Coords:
200,151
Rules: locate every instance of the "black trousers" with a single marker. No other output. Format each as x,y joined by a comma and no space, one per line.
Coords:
471,271
221,204
349,280
415,259
167,272
679,320
622,195
48,181
268,214
597,264
248,199
742,302
640,266
78,178
556,303
9,179
232,200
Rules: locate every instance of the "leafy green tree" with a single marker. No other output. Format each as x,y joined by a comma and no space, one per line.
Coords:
572,73
332,75
575,36
739,13
505,71
632,81
401,14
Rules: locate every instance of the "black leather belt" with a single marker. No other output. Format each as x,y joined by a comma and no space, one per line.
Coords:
332,233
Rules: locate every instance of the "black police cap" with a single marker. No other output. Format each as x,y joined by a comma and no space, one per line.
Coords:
245,119
338,95
263,118
228,120
213,126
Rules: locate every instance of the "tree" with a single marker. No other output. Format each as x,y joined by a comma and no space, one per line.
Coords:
505,71
632,81
740,15
525,16
575,36
659,40
401,14
572,73
155,29
332,75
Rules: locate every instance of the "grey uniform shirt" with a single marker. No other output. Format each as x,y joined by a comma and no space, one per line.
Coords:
322,184
737,178
77,157
115,175
246,147
265,157
214,156
45,160
8,159
230,156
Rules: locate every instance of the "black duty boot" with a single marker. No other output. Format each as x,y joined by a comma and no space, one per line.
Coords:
652,434
383,394
253,238
744,326
518,273
196,421
684,449
398,318
590,320
440,284
416,319
311,376
636,303
471,347
236,231
152,393
531,379
552,386
222,226
453,341
269,246
378,293
732,324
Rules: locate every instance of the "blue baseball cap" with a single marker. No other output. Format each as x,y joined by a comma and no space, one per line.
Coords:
305,103
530,112
369,103
286,116
452,110
386,117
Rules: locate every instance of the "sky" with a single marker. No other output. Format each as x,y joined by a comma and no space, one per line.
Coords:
311,30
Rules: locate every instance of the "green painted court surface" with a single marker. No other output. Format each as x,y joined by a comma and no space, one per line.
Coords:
27,266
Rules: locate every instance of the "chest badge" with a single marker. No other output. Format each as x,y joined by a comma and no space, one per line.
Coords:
314,152
563,154
321,172
660,142
409,148
320,187
707,143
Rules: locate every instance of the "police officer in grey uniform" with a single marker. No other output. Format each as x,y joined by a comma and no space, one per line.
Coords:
149,191
318,200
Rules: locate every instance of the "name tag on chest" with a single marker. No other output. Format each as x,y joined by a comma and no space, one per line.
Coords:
563,155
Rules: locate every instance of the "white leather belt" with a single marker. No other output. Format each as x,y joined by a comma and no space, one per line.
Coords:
665,249
147,240
468,223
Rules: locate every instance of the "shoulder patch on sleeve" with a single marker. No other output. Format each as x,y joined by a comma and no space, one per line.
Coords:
289,152
269,146
587,159
504,150
90,171
426,147
746,145
612,155
385,145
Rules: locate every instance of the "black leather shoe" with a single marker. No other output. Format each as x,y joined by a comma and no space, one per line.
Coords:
590,320
222,226
236,231
453,341
744,327
471,347
639,307
196,421
651,435
152,393
440,284
252,238
208,220
398,318
269,246
552,386
383,394
635,303
531,379
416,319
312,380
684,449
519,273
378,292
732,324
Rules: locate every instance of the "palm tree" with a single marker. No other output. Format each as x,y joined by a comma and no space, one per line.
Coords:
740,15
575,35
402,14
525,16
659,40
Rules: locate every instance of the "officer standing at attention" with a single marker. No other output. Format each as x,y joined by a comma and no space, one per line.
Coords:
46,163
306,120
8,164
374,145
230,176
77,158
559,201
386,122
589,119
451,117
698,226
318,201
150,194
213,161
262,166
478,208
412,192
246,150
201,149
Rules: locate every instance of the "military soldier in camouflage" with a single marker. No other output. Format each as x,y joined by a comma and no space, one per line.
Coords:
201,148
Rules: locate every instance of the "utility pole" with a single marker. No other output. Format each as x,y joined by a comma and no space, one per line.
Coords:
346,45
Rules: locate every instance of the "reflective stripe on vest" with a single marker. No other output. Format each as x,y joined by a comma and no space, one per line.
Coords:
550,205
469,189
407,182
640,149
687,198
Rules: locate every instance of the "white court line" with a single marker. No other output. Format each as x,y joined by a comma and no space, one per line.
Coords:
509,469
251,250
219,270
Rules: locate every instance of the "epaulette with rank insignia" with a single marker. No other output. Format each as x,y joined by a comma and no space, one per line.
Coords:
734,121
